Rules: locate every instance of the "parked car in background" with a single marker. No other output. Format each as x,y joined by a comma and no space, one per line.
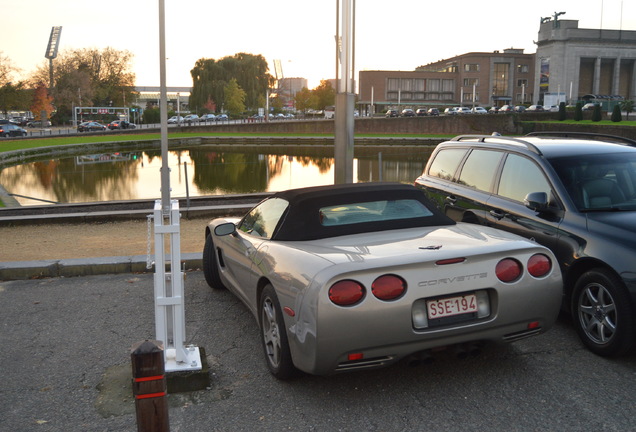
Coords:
463,110
552,108
493,110
450,111
221,117
207,118
572,192
90,126
358,276
536,108
589,106
391,113
519,108
121,124
479,110
421,112
433,112
175,120
11,130
191,118
408,112
38,124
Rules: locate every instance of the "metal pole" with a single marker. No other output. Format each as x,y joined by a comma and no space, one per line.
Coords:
345,99
163,111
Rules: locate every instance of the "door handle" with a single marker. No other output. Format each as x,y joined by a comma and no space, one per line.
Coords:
497,214
451,199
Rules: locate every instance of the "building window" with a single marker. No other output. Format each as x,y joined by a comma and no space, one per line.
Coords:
522,68
469,82
522,83
471,67
393,85
500,79
433,85
448,85
419,85
406,84
468,97
418,96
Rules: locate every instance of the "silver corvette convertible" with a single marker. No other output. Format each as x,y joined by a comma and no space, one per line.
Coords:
358,276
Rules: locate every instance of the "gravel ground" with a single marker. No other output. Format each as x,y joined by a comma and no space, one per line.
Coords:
86,240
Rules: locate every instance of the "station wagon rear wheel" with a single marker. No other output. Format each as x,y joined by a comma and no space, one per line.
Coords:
602,312
274,336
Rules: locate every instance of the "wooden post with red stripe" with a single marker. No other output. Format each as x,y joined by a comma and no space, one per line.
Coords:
149,386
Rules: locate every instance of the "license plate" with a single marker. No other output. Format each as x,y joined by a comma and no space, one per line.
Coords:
451,306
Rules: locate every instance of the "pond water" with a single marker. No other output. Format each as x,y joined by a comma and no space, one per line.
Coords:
196,171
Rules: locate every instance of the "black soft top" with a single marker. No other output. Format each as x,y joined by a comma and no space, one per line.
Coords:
301,220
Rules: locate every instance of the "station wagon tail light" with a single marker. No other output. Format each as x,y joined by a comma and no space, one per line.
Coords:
346,292
388,287
508,270
539,265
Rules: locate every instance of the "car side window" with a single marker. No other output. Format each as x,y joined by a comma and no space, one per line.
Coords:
521,176
262,220
445,163
480,168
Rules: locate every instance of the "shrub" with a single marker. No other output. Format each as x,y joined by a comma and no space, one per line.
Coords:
562,115
597,113
616,114
578,112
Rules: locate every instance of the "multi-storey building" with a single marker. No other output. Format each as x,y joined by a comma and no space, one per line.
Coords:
472,79
570,64
584,63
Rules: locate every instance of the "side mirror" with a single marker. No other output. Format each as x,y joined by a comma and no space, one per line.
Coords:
536,201
225,229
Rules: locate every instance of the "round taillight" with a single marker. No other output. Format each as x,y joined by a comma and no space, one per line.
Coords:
346,292
388,287
539,265
508,270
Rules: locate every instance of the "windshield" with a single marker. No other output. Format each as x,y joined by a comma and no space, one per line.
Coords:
599,182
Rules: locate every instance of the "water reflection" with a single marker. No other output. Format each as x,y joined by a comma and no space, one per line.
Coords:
199,171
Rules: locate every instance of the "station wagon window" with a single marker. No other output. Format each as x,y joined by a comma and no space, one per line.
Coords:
479,170
262,220
445,163
373,211
520,177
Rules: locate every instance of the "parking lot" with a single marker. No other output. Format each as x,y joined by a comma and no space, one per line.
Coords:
66,366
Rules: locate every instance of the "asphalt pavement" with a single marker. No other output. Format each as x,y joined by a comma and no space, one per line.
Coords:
65,355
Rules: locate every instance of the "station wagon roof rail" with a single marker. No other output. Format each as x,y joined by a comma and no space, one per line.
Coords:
505,140
587,135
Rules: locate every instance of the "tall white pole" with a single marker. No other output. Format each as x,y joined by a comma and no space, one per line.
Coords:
163,111
345,99
168,277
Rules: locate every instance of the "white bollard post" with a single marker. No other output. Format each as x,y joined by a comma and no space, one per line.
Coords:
169,292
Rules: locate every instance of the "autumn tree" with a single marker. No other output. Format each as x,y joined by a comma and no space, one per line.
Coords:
234,97
13,95
325,94
90,77
305,99
42,102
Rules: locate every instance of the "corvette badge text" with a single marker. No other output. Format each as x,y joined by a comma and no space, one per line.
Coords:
454,279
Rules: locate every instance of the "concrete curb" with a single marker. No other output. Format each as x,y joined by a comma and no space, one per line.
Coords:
19,270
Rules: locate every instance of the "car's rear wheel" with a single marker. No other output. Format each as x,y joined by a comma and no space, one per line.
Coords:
211,265
602,312
274,336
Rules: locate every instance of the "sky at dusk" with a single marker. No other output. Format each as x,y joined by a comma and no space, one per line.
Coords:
395,35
